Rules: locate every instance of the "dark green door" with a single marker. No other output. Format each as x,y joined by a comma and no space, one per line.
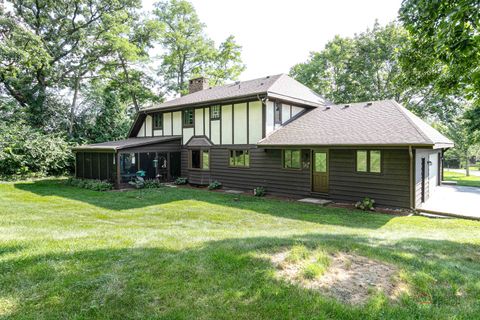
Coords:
320,169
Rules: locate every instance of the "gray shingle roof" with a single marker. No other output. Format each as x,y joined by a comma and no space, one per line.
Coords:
280,86
381,123
124,144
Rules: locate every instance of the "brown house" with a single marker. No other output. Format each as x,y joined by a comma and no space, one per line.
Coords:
276,133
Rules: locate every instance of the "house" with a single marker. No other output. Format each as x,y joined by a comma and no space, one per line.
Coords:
276,133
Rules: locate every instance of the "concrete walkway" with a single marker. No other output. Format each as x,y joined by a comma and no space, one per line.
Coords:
455,200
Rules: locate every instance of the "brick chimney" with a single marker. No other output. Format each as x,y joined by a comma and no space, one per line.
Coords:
197,84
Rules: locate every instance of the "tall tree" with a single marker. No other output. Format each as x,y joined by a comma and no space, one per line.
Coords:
188,51
369,66
448,33
69,32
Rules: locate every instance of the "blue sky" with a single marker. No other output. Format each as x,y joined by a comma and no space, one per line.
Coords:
275,35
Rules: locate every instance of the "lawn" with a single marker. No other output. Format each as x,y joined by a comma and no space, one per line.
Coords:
462,179
68,253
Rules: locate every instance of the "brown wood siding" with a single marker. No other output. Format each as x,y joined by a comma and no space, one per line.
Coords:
171,146
390,188
265,170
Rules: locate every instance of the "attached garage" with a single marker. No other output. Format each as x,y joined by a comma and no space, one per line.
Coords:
428,175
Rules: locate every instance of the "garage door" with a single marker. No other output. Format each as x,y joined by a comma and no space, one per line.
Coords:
432,172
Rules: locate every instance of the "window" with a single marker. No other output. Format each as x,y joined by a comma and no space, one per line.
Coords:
320,162
291,159
215,112
369,161
375,161
362,161
200,159
188,117
158,121
239,158
278,113
205,159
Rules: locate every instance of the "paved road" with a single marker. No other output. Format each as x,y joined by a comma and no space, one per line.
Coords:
456,200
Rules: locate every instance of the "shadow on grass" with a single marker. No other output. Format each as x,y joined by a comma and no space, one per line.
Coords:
230,279
134,199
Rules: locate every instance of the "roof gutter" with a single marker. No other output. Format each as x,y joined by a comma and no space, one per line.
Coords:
412,189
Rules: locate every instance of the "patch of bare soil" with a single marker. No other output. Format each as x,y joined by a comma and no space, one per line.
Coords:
350,278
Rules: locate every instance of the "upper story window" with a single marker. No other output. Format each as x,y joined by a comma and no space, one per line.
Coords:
199,159
278,113
291,159
215,112
158,121
188,117
239,158
369,161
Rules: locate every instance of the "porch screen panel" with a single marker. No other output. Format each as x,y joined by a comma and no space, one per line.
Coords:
103,166
95,166
88,165
79,164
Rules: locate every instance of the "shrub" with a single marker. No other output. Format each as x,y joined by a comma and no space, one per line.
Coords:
365,204
259,191
25,151
152,184
96,185
214,185
180,181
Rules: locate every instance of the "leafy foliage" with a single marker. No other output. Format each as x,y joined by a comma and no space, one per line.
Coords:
189,52
259,191
366,204
152,184
138,182
180,181
214,185
96,185
446,38
24,150
375,65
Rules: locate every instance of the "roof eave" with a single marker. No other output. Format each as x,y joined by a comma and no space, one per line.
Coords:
204,103
292,99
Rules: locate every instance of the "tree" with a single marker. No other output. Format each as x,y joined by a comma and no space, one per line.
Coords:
66,39
188,51
448,33
458,132
371,66
227,63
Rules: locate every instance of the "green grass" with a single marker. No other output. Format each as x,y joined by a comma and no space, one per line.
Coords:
70,253
462,179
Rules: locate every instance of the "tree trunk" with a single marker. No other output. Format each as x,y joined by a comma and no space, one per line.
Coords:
73,107
467,164
127,77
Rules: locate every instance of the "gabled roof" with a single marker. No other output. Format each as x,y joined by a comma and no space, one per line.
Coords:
278,86
378,123
199,142
124,144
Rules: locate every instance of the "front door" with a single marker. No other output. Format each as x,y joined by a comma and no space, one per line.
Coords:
320,169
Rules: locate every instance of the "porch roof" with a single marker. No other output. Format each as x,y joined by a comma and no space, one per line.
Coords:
113,146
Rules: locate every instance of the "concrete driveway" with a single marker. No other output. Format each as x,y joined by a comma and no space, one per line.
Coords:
455,200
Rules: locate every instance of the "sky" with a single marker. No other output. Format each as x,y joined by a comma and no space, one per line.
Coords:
276,35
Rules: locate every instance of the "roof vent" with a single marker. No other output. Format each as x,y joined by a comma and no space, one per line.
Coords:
261,83
346,106
369,104
268,77
327,108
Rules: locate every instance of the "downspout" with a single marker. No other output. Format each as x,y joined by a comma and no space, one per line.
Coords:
412,190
